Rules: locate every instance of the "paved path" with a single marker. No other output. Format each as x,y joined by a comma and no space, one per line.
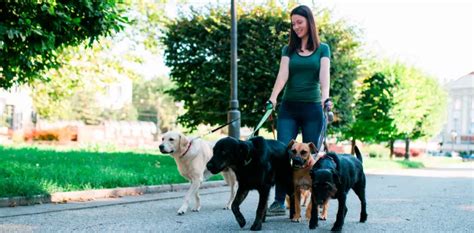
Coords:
423,200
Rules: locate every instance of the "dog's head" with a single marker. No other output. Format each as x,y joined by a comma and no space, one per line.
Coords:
173,142
228,152
325,177
301,153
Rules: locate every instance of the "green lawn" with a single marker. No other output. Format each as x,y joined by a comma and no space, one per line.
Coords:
27,171
32,171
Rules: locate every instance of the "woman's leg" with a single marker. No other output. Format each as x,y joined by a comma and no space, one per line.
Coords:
312,122
287,129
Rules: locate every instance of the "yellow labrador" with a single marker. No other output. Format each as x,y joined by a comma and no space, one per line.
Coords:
191,156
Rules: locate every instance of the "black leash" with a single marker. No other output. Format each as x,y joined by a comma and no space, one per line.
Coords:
218,128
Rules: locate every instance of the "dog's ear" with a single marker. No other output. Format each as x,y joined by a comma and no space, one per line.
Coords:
313,148
244,149
290,144
183,142
334,157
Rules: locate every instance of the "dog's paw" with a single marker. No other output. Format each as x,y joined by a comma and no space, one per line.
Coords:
336,228
241,221
312,225
296,219
256,227
313,222
323,218
363,217
226,208
196,209
182,210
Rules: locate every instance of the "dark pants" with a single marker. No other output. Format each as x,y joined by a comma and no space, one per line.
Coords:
293,117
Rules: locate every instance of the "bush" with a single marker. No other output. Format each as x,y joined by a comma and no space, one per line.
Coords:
68,133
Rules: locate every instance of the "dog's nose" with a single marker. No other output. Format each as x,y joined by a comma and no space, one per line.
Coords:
162,148
298,161
210,166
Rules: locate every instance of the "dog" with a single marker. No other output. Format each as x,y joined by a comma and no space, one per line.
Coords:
332,177
302,163
191,157
304,200
258,164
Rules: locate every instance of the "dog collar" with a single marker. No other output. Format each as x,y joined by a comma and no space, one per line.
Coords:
187,149
308,163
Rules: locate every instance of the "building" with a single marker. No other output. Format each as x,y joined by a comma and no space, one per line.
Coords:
16,109
458,133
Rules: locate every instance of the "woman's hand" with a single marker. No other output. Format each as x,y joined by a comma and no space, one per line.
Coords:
273,101
328,105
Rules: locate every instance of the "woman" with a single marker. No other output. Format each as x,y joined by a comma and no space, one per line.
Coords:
304,73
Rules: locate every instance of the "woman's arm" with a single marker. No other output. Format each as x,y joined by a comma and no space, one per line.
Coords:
281,79
324,78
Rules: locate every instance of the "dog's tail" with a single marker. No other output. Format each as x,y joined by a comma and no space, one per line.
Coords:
358,154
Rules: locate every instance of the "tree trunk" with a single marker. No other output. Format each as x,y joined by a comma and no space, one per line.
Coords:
353,144
407,148
391,148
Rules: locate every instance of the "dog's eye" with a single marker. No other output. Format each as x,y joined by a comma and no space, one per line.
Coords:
294,151
171,139
304,152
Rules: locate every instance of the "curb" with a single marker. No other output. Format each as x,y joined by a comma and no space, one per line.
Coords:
89,195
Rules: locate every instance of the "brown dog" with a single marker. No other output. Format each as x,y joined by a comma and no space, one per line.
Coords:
302,163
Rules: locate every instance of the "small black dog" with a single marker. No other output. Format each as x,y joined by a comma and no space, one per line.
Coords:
258,164
332,177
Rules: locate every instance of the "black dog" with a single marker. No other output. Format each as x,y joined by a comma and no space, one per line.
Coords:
332,177
258,164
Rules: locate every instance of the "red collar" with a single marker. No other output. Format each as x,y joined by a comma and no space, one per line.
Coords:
309,163
187,149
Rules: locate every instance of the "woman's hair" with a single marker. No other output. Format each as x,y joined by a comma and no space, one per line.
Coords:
294,43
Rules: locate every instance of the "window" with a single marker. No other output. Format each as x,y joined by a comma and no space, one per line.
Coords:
457,104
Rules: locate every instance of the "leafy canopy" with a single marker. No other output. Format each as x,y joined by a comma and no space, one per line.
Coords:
197,49
32,33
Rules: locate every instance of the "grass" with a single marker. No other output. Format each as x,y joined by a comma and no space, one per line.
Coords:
31,171
376,163
28,171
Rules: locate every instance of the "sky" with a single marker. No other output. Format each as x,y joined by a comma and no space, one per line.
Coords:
436,36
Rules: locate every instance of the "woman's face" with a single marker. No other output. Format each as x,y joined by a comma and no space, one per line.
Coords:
299,25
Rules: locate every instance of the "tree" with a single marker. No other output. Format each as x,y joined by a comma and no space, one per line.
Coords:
398,102
88,68
373,120
153,104
197,49
420,102
32,34
87,71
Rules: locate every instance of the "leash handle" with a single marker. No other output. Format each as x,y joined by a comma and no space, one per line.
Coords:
268,105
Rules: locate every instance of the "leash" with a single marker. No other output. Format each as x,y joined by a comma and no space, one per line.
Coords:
219,127
209,132
269,110
328,117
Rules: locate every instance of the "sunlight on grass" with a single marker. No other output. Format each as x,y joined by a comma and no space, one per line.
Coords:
31,171
375,163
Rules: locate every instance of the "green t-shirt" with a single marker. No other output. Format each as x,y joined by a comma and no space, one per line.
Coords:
303,79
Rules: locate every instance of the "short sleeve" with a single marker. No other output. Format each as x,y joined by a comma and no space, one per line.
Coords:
325,51
284,51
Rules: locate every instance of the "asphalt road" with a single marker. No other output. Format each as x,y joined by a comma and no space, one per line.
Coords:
427,200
